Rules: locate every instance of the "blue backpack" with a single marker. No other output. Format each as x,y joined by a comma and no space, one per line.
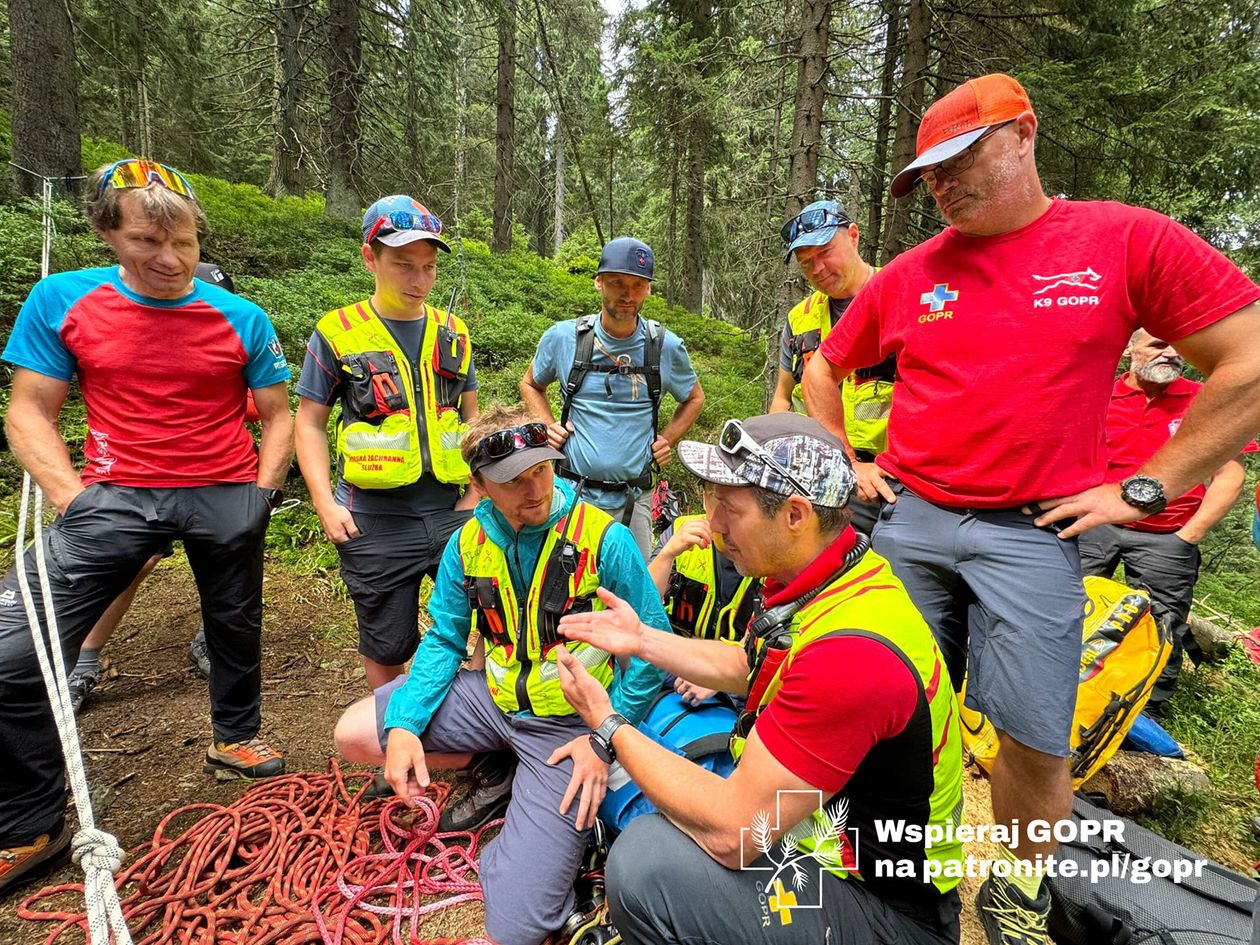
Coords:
701,733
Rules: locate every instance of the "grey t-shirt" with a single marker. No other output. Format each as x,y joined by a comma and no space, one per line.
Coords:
322,381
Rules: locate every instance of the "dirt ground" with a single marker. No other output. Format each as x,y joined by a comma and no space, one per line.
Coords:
145,730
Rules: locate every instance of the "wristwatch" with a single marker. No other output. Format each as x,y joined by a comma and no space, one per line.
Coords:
601,738
1144,494
273,496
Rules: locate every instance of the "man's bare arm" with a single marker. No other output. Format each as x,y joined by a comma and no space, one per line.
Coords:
535,397
31,425
685,415
1226,412
275,448
1219,497
820,385
781,402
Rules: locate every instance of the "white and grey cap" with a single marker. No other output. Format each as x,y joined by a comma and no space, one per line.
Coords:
801,445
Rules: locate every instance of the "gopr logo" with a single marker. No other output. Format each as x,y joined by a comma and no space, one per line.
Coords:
1083,285
935,301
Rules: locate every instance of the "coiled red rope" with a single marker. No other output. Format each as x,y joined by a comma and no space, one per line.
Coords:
296,859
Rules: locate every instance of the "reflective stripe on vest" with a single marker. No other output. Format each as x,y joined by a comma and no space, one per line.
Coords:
521,668
867,403
383,442
691,607
868,600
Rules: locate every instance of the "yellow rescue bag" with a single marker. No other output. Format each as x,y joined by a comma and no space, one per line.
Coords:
1123,651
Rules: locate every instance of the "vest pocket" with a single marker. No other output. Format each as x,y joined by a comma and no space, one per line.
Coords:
374,386
687,599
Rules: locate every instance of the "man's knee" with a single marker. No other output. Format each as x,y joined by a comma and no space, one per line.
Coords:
355,733
643,864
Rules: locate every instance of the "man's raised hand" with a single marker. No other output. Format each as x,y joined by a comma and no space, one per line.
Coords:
616,630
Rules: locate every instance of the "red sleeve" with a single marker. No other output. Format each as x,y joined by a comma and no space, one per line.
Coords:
839,698
855,342
1179,283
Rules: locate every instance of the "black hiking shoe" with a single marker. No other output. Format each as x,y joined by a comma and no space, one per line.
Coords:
81,685
488,794
1011,918
199,654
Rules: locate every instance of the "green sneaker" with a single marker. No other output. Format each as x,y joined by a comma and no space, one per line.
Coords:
1011,918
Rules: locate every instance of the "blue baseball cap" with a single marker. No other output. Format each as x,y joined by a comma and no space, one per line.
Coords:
813,226
398,220
628,255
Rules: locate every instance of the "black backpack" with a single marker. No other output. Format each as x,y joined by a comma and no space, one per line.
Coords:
1211,908
584,363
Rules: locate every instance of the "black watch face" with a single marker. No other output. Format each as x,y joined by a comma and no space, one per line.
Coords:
600,749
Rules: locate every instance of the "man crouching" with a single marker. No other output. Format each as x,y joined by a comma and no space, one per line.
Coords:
851,727
531,553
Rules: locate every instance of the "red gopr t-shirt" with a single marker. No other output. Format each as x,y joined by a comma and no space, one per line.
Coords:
1007,345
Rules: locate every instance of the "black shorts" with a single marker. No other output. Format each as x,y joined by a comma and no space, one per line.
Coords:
382,568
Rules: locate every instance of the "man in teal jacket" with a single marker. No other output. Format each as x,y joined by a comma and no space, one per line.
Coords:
498,559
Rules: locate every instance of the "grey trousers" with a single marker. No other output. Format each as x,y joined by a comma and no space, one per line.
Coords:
662,888
527,871
1004,599
1164,565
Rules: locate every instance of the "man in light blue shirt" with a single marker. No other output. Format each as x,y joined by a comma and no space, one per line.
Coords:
609,430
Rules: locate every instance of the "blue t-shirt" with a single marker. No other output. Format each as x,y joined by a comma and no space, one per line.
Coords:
611,413
322,381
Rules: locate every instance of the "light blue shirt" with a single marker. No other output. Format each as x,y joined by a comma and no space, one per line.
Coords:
612,413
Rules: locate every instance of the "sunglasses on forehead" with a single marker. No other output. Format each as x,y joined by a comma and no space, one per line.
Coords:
808,221
405,220
137,173
506,442
735,441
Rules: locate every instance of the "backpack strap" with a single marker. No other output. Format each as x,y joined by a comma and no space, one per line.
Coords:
583,355
652,368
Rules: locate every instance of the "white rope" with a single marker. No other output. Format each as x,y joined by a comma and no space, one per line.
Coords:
95,851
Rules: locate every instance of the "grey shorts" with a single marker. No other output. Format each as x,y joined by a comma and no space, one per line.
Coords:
1006,602
527,871
382,569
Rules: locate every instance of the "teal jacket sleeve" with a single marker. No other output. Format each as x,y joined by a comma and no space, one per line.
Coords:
442,649
623,571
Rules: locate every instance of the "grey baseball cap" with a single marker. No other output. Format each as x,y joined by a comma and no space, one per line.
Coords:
627,255
799,445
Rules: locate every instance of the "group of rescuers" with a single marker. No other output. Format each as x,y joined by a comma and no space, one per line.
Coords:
966,447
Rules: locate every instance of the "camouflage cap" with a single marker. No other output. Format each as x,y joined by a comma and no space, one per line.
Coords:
782,452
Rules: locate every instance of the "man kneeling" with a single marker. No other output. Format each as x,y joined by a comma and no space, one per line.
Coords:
530,552
850,729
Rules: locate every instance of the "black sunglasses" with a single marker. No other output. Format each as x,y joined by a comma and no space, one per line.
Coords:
807,221
506,442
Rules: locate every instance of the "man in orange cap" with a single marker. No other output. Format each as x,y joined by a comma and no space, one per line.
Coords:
1007,329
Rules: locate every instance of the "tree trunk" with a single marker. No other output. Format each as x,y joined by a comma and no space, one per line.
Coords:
1214,641
811,90
344,57
693,242
910,109
505,129
1133,781
45,93
286,149
557,144
879,166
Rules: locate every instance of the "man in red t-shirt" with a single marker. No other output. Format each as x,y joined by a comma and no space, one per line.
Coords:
1007,328
1159,552
850,725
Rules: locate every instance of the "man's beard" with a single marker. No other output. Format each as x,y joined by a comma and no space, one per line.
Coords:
1159,372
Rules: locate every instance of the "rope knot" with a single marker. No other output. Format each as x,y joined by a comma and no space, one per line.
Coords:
96,849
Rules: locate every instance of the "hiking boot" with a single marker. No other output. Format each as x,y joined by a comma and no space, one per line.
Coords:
1011,918
250,760
80,684
487,797
378,788
199,654
17,862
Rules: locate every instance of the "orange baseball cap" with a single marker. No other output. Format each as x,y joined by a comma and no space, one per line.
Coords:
954,122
